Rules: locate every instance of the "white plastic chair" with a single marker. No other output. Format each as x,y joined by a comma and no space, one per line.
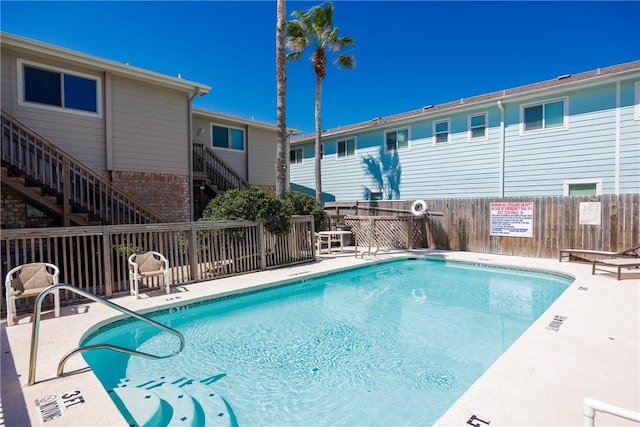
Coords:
28,280
147,266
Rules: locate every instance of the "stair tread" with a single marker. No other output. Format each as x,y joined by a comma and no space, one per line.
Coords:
147,414
186,397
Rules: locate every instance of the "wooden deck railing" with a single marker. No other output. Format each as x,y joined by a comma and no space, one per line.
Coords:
95,258
42,163
216,171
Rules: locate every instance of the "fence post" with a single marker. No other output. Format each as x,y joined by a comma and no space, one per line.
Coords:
410,232
193,250
106,260
262,247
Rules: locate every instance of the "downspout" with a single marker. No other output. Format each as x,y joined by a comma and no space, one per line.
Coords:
616,173
502,148
190,136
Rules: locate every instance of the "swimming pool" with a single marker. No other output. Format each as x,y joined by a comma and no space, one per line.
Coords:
393,343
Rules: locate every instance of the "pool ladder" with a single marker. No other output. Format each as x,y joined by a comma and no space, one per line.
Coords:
35,330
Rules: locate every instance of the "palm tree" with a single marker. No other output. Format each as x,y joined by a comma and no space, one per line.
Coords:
281,89
315,28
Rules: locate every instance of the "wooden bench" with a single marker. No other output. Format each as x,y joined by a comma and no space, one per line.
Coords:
619,263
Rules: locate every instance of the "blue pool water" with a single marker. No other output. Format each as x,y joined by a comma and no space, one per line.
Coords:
395,343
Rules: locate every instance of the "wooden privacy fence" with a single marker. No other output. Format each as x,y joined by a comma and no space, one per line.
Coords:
609,222
95,258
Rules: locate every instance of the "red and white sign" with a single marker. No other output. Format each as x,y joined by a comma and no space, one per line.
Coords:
512,219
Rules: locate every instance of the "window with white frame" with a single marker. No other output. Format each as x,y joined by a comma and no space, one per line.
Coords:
477,127
637,106
295,156
583,187
396,140
227,137
544,116
441,131
377,195
346,148
58,89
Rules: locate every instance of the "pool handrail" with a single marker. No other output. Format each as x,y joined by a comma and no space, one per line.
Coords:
35,330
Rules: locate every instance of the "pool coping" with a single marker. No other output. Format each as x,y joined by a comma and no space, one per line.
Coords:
594,353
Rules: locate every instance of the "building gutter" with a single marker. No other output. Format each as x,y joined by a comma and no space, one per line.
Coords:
502,147
190,136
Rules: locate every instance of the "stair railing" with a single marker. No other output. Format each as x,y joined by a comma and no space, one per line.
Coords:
29,154
217,172
35,331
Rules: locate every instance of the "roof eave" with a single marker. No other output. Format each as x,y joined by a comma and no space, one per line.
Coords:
240,120
114,67
506,95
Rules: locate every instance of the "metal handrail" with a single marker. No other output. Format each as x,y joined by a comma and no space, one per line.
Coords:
35,330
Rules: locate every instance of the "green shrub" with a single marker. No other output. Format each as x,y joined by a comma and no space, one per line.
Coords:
305,204
255,205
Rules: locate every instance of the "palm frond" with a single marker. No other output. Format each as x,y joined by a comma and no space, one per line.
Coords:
348,62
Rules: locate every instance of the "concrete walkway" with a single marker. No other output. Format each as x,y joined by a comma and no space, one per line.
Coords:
540,380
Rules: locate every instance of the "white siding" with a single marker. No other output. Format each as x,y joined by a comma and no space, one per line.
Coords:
150,128
262,156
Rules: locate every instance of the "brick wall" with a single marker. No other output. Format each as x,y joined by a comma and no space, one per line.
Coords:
168,195
14,213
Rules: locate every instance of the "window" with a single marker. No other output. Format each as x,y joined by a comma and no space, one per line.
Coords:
397,140
441,132
346,147
375,196
548,115
58,89
224,137
477,127
588,187
295,156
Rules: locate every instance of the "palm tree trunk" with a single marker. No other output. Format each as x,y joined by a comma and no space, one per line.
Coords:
318,140
281,89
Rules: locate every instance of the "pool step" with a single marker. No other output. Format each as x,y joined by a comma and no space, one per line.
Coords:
215,409
147,414
179,402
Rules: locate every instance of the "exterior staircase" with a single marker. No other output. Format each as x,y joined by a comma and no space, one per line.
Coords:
210,171
53,180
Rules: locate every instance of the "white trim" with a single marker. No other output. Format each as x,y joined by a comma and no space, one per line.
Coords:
295,164
636,108
470,137
355,148
434,138
233,150
568,182
565,117
384,139
616,172
21,101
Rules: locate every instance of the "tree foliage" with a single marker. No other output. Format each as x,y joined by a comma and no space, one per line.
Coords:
264,206
314,29
253,204
305,204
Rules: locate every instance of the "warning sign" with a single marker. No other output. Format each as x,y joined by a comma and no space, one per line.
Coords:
512,219
53,406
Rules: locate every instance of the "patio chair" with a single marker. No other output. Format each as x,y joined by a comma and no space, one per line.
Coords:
28,280
150,266
632,252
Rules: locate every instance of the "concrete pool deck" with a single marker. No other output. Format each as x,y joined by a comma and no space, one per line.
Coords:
540,380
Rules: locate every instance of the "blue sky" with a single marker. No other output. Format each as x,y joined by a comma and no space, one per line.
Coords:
409,54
